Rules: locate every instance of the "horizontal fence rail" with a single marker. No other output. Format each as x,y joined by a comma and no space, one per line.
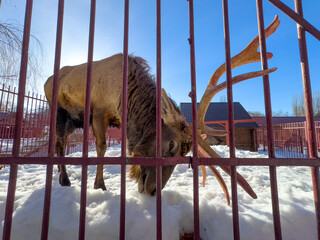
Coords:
27,127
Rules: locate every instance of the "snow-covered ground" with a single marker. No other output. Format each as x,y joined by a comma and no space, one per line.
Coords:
295,193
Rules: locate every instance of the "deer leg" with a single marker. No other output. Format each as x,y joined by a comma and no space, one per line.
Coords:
64,128
60,148
99,129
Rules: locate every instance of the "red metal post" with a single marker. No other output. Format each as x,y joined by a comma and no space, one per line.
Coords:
193,94
18,123
297,18
84,176
310,129
267,97
53,120
230,124
158,124
124,121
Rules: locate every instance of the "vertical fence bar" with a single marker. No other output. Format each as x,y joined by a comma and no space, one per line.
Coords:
296,130
1,98
2,122
31,122
53,120
42,117
11,122
235,210
11,130
267,97
310,128
18,123
26,128
193,94
2,125
124,121
34,122
263,138
5,120
84,176
158,124
35,117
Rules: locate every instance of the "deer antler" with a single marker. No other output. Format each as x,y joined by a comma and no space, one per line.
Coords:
248,55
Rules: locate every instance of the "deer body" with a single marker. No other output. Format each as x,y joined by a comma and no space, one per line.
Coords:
106,98
106,88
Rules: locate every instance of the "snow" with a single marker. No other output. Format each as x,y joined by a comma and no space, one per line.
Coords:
103,207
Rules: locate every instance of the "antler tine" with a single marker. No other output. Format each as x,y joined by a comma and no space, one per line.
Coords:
241,181
241,78
216,174
249,55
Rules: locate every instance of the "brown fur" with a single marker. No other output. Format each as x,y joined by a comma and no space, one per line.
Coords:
106,95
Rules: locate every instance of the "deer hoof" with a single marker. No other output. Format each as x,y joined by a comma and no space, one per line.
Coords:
99,184
64,181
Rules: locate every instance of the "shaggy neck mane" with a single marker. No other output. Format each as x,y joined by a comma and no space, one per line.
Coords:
141,98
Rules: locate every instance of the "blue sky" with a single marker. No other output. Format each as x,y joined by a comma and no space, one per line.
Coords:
209,40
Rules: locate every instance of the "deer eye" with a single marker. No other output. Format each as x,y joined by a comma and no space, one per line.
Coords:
171,145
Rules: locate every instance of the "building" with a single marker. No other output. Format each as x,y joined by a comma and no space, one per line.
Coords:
245,132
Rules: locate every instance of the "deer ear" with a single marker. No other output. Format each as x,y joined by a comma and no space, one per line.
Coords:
172,116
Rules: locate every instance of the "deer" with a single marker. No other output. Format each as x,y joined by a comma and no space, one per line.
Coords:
106,95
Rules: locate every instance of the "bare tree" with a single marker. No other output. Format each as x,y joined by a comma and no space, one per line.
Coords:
223,98
316,103
11,35
255,114
280,113
298,104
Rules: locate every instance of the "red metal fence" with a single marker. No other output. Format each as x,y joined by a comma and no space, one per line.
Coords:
76,139
290,139
35,126
35,123
195,161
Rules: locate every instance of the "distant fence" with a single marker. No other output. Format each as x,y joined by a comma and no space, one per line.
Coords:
35,126
289,139
75,142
